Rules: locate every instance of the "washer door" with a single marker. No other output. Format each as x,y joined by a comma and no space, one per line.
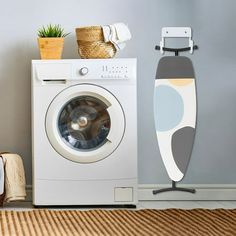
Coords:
85,123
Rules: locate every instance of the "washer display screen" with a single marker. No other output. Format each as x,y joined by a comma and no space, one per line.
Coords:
84,123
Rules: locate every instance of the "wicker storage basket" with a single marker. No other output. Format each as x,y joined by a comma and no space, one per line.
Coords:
91,43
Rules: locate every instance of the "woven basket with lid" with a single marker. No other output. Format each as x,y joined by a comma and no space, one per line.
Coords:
91,43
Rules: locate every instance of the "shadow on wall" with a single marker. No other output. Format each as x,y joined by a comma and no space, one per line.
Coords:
70,48
15,102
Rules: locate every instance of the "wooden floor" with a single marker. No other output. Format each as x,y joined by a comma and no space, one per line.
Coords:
19,206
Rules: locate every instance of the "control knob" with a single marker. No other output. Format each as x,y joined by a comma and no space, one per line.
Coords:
84,71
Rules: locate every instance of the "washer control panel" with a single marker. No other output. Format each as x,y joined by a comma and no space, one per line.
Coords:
115,72
61,71
104,69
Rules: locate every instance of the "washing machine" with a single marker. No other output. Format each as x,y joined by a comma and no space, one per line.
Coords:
84,132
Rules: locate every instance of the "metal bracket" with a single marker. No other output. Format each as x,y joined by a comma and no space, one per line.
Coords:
176,32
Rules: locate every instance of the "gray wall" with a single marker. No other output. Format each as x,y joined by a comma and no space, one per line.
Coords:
214,154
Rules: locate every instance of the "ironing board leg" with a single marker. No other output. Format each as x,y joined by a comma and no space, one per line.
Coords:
174,188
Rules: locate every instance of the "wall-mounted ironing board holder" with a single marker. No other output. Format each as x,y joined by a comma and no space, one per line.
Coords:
176,32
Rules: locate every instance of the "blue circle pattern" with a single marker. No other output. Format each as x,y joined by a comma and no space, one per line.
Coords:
168,108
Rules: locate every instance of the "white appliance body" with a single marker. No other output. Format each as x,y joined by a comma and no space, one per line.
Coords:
84,132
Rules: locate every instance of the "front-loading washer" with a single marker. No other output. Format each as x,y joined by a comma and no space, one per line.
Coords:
84,132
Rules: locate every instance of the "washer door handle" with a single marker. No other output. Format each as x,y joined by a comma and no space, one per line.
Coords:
116,123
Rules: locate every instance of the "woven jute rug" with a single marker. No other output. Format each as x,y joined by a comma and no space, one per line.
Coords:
169,222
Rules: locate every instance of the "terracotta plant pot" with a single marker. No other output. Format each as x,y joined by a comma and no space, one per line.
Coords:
51,48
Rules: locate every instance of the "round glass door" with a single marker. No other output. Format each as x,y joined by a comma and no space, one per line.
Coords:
85,123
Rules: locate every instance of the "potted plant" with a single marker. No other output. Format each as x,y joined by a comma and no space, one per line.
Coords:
51,41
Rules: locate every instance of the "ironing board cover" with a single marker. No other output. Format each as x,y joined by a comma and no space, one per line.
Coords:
175,113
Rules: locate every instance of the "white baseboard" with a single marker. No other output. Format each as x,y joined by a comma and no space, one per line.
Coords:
204,192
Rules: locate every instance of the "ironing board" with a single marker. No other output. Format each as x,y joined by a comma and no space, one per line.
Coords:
175,108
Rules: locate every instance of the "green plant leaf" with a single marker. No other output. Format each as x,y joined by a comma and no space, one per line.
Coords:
50,30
